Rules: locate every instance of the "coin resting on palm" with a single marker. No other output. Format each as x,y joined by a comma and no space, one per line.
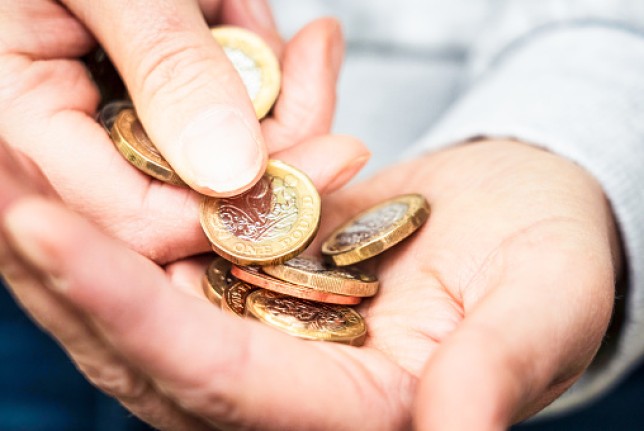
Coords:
317,274
307,319
270,223
255,276
376,229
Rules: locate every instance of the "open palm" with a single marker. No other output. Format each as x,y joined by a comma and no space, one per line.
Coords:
487,314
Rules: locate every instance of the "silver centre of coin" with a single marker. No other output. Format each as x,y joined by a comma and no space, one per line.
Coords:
250,74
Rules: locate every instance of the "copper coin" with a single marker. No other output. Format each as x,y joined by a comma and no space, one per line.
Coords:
307,319
270,223
315,273
255,276
133,143
255,62
216,279
234,296
376,229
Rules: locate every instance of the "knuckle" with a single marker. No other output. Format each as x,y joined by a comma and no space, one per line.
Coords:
116,379
169,63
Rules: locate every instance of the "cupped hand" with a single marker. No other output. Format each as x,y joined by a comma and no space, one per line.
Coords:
485,315
188,96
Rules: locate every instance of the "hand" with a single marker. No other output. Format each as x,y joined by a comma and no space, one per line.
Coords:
486,315
177,77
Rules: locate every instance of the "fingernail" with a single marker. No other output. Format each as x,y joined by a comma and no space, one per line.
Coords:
221,151
347,173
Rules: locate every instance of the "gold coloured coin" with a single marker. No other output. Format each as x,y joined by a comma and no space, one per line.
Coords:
316,274
270,223
255,62
234,297
108,113
376,229
307,319
216,279
255,276
134,144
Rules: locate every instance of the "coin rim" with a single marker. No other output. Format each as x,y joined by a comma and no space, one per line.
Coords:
268,282
213,291
132,151
356,338
417,214
208,209
265,59
324,282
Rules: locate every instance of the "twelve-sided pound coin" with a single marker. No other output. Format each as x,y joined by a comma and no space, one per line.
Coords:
307,319
255,62
255,276
133,143
376,229
316,274
270,223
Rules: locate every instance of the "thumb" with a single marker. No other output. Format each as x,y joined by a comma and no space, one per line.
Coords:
189,97
522,345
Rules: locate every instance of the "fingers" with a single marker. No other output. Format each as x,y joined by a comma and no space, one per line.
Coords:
42,29
224,369
255,15
527,341
19,180
330,161
306,105
189,97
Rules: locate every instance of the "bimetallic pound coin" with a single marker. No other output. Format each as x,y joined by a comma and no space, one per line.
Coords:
134,144
307,319
270,223
234,296
216,279
254,275
376,229
314,273
255,62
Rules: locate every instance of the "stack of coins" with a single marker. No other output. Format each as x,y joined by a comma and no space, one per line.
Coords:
260,234
310,297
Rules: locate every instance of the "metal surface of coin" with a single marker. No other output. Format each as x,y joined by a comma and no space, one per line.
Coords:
315,273
269,224
376,229
254,275
107,115
234,296
216,279
307,319
134,144
255,62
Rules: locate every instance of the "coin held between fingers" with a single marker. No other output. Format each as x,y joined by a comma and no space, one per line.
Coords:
272,222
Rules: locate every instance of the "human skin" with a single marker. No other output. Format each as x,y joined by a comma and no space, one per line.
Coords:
175,74
488,313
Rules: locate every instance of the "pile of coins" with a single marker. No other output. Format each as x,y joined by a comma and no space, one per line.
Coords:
260,234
